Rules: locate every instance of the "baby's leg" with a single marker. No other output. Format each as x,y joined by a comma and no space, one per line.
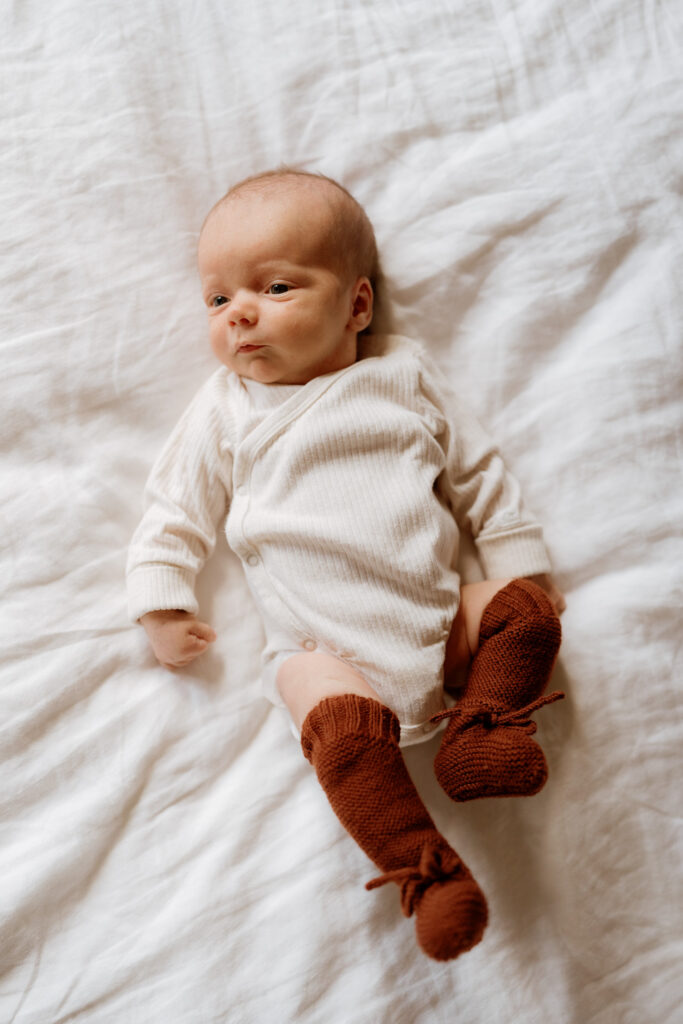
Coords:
351,739
307,678
512,642
463,642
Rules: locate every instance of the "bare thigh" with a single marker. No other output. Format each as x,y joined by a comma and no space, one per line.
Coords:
307,678
463,642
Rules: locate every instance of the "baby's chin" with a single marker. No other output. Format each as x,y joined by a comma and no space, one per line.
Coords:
262,370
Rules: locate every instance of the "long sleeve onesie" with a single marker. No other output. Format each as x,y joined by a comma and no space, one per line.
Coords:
344,499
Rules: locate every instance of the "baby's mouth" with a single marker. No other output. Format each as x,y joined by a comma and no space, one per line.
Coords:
249,348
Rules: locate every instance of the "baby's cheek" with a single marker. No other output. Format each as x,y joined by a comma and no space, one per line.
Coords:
219,346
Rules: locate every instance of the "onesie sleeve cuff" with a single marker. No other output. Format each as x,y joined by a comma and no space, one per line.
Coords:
154,588
514,553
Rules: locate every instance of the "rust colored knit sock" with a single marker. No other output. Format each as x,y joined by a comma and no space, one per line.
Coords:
352,742
487,749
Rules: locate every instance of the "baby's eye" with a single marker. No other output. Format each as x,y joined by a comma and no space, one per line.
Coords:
218,300
278,288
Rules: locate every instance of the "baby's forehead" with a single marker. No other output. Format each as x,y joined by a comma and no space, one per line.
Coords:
312,201
303,211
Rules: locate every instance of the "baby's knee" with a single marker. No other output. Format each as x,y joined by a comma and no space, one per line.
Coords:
458,656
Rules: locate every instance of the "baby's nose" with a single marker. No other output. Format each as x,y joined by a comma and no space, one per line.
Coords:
242,312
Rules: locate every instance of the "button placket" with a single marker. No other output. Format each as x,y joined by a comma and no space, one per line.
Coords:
241,471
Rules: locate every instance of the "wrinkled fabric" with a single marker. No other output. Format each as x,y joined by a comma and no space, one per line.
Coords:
166,854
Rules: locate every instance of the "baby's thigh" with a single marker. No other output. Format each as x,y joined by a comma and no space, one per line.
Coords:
463,641
307,678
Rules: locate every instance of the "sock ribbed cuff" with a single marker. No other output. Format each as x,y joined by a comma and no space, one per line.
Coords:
335,717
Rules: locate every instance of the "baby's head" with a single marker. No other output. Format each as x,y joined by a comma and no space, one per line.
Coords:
287,262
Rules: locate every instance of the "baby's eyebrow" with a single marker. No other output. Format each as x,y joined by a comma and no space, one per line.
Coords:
259,270
278,264
210,283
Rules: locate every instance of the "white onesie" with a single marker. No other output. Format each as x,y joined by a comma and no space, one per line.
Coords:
343,498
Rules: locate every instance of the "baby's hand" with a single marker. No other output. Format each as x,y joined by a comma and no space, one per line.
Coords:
177,638
547,583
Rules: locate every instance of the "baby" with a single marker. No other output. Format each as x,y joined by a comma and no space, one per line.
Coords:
346,468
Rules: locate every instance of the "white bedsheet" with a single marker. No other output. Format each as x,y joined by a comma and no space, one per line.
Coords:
166,854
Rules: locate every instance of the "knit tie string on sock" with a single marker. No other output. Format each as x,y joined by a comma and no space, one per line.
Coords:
487,748
490,719
413,882
353,744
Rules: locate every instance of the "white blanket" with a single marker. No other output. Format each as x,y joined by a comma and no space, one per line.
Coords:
167,855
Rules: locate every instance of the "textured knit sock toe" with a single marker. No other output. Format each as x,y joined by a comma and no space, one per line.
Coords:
451,918
352,742
490,762
487,749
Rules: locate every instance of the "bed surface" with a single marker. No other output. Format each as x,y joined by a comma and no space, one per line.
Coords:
166,853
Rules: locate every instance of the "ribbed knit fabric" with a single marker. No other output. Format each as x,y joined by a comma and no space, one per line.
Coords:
332,508
487,748
352,742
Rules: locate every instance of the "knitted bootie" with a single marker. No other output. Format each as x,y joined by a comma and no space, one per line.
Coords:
487,748
352,742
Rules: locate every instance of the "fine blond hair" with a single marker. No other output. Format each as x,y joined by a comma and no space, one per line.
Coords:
349,239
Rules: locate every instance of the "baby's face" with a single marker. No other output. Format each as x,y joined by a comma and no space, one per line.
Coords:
278,311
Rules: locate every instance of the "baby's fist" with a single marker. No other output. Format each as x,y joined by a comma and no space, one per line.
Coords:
176,637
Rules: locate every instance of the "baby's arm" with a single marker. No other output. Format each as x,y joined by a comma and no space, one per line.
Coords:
176,637
188,492
485,498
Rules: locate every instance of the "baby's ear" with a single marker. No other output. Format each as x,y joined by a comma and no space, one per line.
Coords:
361,309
